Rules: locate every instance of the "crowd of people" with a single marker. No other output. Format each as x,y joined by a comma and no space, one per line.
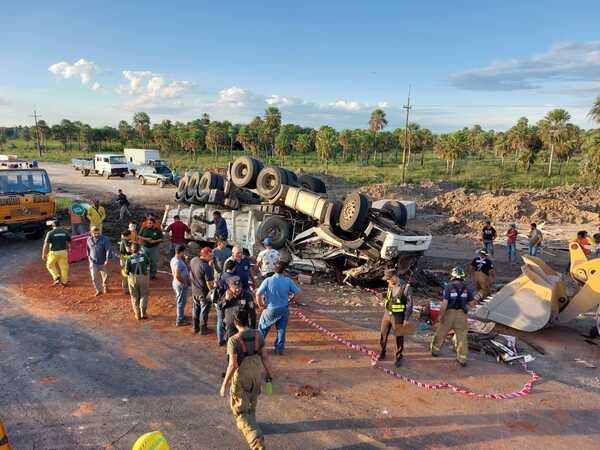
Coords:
238,287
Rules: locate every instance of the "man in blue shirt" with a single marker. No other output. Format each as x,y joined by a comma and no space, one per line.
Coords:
274,294
99,253
220,224
243,266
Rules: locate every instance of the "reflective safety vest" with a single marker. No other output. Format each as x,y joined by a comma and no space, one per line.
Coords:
395,305
458,296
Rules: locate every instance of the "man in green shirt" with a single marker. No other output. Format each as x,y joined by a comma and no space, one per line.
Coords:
150,238
136,269
55,253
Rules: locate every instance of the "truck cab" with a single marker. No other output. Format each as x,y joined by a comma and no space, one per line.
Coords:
26,201
110,165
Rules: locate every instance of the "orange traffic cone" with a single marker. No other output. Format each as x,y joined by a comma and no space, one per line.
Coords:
4,445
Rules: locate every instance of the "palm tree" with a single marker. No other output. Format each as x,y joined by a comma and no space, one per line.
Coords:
141,122
377,122
553,130
595,111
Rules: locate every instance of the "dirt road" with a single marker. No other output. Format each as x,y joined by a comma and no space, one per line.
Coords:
77,372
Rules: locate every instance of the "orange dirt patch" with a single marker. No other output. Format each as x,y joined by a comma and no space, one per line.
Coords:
142,358
48,380
84,408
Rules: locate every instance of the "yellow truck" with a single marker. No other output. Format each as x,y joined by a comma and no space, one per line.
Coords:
26,201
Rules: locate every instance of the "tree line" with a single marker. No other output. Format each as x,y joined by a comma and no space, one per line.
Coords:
554,139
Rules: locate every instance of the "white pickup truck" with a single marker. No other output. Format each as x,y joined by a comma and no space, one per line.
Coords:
355,238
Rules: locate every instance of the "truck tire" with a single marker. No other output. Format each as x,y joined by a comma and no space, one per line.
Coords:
313,184
277,228
354,215
181,189
269,181
245,171
85,172
161,183
332,216
142,179
192,186
122,175
210,181
35,235
292,179
398,211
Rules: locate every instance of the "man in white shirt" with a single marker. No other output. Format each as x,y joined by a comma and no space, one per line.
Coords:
267,258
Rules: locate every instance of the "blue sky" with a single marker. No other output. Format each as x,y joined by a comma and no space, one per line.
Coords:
320,62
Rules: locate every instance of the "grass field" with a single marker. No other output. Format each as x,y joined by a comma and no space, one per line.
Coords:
486,173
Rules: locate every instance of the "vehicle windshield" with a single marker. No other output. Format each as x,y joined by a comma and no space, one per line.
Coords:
118,160
163,170
24,181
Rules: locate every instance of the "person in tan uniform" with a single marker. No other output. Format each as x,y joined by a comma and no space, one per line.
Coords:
247,357
453,316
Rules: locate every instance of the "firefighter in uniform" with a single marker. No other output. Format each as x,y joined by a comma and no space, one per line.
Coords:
398,308
247,356
453,316
136,269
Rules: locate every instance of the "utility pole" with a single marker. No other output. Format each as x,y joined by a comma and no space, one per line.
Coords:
407,107
37,132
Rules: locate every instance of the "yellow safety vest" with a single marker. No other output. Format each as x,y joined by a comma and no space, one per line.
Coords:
395,305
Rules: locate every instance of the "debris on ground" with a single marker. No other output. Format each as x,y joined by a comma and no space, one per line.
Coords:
308,391
500,346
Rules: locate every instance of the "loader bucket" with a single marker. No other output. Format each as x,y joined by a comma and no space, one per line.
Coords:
587,273
527,303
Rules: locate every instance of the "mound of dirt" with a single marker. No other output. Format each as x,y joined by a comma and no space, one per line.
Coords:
417,192
574,204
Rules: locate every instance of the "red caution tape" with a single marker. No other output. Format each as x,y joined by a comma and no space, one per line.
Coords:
525,390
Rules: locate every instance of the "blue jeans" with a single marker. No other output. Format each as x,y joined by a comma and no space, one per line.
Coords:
512,252
533,249
279,318
200,309
181,297
220,326
489,246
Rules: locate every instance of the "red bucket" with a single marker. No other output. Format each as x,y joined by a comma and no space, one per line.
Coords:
78,250
434,310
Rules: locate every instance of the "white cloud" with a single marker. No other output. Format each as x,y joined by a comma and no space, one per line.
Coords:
153,91
149,84
83,70
384,104
567,65
347,105
281,101
234,97
96,86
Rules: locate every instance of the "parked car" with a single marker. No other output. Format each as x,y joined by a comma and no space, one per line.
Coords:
160,175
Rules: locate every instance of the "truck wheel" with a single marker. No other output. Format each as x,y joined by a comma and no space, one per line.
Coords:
192,186
354,216
245,171
182,188
313,184
142,180
85,172
397,211
269,181
161,183
34,235
210,181
122,175
277,228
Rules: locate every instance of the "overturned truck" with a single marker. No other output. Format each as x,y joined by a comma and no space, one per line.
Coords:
354,238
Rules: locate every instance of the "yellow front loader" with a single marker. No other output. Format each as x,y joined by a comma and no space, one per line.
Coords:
539,297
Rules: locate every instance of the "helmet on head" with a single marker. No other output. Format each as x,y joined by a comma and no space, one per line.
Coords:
483,252
457,273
